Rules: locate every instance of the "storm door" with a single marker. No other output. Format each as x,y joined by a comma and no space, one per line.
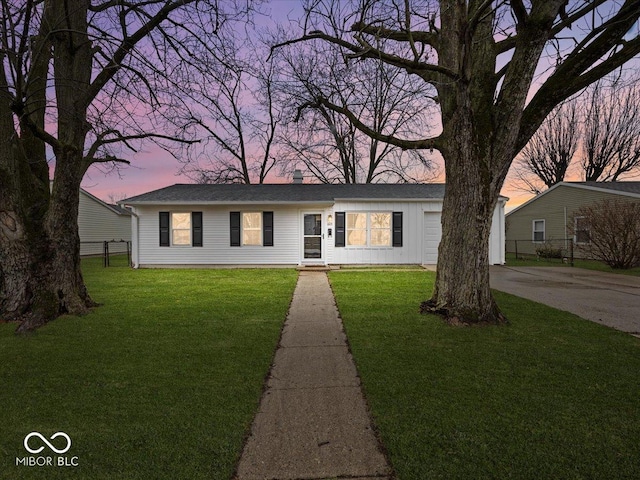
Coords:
312,236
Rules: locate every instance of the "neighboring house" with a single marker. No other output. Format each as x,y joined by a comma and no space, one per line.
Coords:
293,224
99,222
549,218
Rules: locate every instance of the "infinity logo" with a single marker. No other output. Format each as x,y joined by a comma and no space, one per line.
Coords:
39,435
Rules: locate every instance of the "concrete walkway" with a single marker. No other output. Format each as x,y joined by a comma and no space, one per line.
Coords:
313,421
607,298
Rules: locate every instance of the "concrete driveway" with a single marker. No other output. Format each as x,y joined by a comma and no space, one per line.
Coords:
606,298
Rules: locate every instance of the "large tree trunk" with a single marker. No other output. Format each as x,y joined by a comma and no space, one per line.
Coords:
462,293
40,276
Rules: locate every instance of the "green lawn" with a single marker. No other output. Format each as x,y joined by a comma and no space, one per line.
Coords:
551,396
532,261
162,381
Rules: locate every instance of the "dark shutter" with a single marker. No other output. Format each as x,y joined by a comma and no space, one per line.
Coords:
164,229
234,220
196,229
340,229
397,229
267,229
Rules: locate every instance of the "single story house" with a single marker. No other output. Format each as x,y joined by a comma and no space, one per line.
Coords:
98,222
293,224
549,218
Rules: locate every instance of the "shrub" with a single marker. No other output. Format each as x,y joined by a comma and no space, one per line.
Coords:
549,251
610,230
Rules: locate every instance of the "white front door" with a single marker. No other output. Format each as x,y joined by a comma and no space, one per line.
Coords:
312,247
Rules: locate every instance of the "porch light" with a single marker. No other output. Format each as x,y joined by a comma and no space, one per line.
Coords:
329,220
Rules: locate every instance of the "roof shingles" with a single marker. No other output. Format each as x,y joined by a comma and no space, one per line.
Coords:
287,193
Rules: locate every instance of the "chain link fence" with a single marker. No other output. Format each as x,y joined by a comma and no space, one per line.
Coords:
560,250
106,249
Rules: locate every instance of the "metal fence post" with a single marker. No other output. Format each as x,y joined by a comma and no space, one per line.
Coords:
571,252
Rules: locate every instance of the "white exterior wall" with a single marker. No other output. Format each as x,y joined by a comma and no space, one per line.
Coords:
411,251
216,249
497,237
97,223
421,234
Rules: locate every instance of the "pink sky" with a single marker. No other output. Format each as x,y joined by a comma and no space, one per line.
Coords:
153,170
156,168
148,171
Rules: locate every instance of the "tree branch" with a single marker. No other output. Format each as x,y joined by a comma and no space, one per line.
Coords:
430,143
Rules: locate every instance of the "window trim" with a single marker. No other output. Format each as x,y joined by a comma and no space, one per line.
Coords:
172,229
244,229
365,229
534,231
388,229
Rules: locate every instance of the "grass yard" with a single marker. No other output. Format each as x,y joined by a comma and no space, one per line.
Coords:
162,381
532,261
551,396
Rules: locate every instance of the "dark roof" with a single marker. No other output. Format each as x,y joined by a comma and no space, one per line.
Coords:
628,187
631,189
288,193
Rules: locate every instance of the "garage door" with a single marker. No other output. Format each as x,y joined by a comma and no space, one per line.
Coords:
432,235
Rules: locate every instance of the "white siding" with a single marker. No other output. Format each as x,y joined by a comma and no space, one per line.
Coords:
98,223
497,237
216,249
421,236
433,234
411,250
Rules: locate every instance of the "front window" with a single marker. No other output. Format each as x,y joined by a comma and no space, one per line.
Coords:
356,229
181,228
538,230
369,229
252,228
380,229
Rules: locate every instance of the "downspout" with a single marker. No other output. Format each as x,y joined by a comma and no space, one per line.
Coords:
135,231
566,233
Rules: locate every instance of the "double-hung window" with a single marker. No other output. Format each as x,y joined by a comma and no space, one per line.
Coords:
538,231
252,228
357,229
368,229
180,229
380,234
582,230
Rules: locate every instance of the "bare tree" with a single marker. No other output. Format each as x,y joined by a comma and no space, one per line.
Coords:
227,96
482,59
66,68
609,231
611,132
326,143
599,130
544,161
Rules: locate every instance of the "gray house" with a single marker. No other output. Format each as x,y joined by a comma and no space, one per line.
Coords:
99,222
548,218
293,224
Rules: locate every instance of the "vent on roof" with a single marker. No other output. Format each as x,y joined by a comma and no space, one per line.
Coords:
297,176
